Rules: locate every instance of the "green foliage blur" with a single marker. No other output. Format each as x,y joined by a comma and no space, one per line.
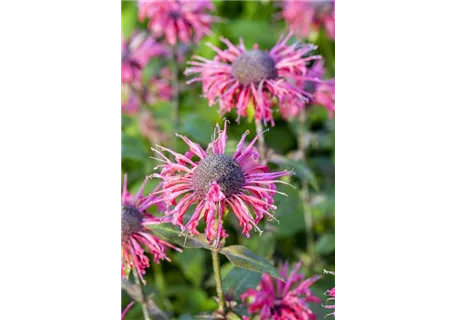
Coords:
185,286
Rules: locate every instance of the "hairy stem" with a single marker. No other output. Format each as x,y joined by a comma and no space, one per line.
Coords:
143,296
175,82
304,192
218,279
261,144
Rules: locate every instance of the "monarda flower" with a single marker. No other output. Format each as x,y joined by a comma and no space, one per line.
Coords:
187,21
134,95
237,77
127,308
323,91
135,235
305,16
216,182
136,53
277,300
332,296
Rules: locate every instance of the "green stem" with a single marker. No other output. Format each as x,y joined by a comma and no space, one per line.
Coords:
261,143
304,192
143,296
218,279
175,83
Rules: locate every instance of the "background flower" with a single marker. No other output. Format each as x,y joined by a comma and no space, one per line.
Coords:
305,16
183,21
278,300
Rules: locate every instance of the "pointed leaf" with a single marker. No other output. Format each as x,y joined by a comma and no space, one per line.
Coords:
174,235
242,257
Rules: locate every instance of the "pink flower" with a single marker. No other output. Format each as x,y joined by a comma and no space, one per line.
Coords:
278,300
215,183
124,313
135,235
136,53
238,77
332,296
184,20
158,89
305,16
322,91
150,128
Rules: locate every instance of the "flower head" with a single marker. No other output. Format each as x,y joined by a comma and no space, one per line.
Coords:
323,91
159,88
124,313
136,53
135,235
177,20
216,182
278,300
237,77
305,16
332,297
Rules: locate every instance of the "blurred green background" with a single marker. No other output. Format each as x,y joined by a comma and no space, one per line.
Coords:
185,287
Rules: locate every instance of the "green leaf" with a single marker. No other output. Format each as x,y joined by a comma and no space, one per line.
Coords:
289,212
242,257
190,262
326,244
133,148
173,235
239,280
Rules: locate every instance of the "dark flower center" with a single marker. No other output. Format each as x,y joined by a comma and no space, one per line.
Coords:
131,222
222,169
254,66
310,86
322,8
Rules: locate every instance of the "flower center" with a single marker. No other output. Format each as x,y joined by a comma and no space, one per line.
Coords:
222,169
322,8
131,222
254,66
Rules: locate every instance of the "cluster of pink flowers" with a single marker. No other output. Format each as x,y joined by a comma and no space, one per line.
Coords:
186,21
305,16
135,233
215,182
209,184
238,77
277,300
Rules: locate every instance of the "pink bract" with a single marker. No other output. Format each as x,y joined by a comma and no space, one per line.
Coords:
136,53
332,297
238,78
305,16
135,235
187,21
215,183
277,300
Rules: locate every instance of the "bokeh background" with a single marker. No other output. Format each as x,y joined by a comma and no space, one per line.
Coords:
184,287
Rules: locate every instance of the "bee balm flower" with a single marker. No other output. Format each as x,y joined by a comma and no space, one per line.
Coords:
184,20
237,77
216,182
135,235
278,300
305,16
332,296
